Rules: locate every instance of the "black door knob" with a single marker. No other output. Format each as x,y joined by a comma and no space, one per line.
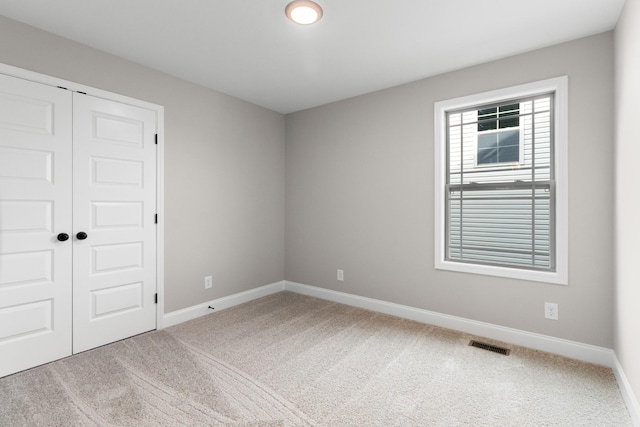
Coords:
81,235
63,236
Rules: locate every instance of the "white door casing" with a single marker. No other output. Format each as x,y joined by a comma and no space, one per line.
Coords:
114,203
35,206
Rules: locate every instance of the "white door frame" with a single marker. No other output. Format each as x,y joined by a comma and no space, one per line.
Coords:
159,109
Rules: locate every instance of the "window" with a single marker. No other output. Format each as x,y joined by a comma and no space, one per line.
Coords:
501,206
498,139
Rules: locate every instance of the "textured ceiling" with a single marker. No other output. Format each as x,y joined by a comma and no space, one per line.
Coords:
248,49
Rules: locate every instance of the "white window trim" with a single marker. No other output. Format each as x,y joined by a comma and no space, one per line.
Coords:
559,85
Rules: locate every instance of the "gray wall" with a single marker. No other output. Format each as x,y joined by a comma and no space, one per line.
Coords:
359,196
627,313
224,166
359,186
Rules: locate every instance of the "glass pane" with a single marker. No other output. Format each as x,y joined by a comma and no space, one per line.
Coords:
487,125
543,104
488,140
470,116
455,142
499,147
509,138
513,108
488,156
487,112
501,226
508,154
509,122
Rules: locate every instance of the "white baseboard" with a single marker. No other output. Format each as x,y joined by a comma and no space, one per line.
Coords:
575,350
572,349
627,392
562,347
195,311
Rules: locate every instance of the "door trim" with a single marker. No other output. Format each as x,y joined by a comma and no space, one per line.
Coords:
159,109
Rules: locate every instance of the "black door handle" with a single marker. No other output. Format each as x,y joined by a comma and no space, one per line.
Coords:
81,235
63,237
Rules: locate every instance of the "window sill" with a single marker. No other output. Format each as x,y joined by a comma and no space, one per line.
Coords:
558,277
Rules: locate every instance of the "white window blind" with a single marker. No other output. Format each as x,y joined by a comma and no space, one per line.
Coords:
500,184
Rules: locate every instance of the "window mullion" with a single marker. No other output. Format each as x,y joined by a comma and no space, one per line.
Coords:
552,188
533,184
461,200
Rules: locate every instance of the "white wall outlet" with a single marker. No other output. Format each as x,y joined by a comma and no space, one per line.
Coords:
340,275
551,310
208,282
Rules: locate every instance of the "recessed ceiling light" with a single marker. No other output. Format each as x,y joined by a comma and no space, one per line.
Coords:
303,12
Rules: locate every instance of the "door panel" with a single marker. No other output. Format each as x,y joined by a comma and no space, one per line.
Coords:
23,216
35,205
26,165
114,203
26,268
117,215
111,174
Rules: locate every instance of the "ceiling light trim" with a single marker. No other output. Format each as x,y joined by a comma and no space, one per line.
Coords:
304,12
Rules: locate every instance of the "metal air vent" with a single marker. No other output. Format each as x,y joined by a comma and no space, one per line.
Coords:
489,347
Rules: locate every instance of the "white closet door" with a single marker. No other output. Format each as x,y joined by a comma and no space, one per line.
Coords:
35,206
114,203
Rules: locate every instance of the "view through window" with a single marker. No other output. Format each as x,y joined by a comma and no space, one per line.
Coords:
501,182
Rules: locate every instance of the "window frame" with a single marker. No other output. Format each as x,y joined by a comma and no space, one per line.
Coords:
559,86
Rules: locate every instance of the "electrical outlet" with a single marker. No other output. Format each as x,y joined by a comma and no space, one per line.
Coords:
208,282
340,275
551,310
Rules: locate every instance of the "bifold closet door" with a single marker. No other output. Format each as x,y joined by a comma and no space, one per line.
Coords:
77,229
114,206
35,224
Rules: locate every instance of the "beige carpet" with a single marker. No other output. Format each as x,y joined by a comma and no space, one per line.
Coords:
292,360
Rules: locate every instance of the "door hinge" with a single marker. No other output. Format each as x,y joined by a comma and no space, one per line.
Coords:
156,139
156,218
156,299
